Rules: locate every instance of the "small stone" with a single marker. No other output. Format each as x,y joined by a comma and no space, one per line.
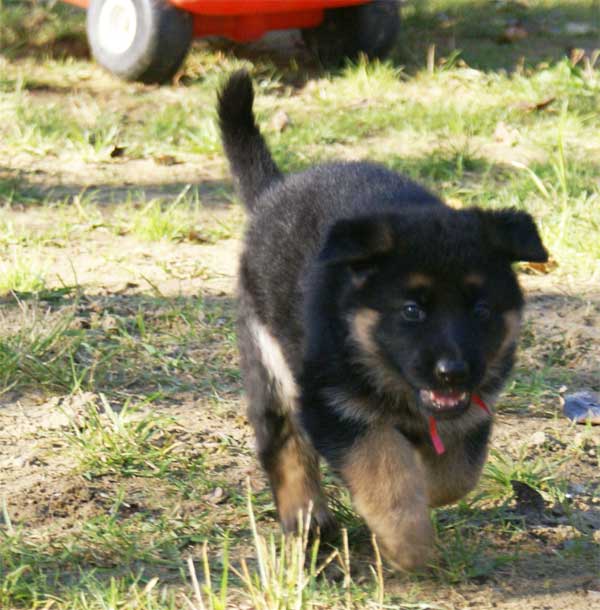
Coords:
216,496
577,489
538,438
504,133
280,121
579,29
109,323
592,594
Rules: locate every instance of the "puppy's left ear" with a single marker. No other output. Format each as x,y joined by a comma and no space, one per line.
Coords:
356,241
514,234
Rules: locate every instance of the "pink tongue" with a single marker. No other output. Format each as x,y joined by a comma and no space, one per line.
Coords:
446,398
449,394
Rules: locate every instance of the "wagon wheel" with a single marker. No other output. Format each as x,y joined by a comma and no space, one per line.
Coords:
144,40
346,32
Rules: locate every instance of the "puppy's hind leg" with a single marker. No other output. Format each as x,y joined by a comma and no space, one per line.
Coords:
290,463
293,471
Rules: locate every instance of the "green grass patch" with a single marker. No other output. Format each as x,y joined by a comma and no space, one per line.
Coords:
22,272
30,27
122,441
113,347
479,121
501,470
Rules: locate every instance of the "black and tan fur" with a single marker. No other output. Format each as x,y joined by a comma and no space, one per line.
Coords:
366,307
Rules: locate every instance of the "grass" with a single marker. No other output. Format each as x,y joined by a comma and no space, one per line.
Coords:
21,273
502,470
178,220
113,348
108,441
154,222
124,451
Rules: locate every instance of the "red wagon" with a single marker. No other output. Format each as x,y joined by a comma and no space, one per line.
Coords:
147,40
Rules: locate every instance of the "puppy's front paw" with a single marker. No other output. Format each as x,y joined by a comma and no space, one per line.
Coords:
405,558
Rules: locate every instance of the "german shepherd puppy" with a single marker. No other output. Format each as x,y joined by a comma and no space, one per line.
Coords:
375,325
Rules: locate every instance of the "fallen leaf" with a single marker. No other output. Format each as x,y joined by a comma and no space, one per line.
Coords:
513,33
166,160
197,236
117,152
540,268
535,106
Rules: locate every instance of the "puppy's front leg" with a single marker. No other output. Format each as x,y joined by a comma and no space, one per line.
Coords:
386,478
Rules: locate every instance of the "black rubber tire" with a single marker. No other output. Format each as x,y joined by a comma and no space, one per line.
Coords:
162,39
346,32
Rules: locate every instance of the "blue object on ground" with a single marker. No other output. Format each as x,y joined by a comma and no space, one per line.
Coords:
582,407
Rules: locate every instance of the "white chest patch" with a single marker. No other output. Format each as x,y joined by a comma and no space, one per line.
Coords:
274,361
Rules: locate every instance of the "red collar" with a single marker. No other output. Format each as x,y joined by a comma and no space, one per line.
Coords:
433,433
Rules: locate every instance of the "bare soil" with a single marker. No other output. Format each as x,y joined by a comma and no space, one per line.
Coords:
45,494
558,565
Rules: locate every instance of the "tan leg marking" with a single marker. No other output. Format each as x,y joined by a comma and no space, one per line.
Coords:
386,479
451,481
451,476
296,483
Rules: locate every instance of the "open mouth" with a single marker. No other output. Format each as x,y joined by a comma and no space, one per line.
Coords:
445,401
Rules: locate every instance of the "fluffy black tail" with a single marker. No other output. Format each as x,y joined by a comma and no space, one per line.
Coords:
251,163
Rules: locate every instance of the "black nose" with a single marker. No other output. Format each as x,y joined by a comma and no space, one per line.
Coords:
452,372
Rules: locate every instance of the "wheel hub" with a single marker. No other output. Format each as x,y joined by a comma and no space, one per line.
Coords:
117,25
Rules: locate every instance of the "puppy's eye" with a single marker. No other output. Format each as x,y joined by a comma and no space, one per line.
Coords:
482,310
411,312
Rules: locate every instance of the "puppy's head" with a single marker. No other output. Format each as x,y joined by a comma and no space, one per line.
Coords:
430,304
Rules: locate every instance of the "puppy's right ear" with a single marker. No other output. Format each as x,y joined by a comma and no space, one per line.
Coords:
513,233
356,241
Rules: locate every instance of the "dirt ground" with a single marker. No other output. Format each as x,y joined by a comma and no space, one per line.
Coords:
554,550
558,565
